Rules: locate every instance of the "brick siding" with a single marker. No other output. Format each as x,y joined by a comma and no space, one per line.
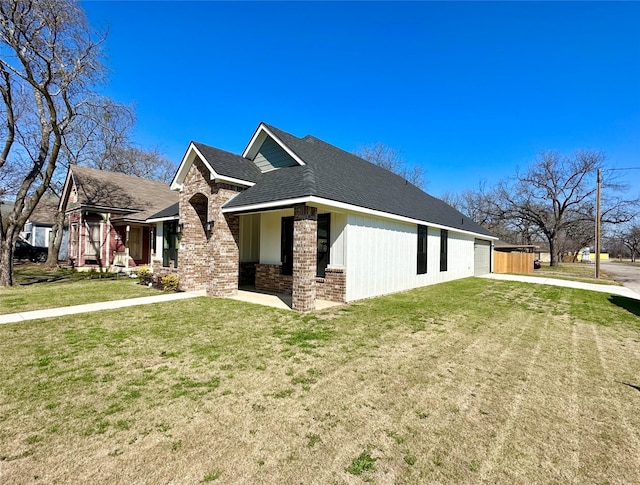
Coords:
305,241
208,261
333,286
270,279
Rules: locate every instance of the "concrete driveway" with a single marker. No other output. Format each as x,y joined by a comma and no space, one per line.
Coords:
625,274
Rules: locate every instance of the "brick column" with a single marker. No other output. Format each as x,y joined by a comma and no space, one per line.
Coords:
305,235
224,244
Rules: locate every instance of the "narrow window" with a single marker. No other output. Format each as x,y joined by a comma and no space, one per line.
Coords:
444,242
324,243
422,249
286,245
170,244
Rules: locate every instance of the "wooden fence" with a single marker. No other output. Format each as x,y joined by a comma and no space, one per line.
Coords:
512,262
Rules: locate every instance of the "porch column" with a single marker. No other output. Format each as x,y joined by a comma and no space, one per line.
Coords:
305,235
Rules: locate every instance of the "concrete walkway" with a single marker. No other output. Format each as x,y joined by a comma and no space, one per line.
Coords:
281,300
611,289
94,307
277,301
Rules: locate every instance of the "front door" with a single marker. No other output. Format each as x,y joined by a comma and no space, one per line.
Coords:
135,243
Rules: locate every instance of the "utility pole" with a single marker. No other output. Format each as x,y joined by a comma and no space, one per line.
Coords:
598,217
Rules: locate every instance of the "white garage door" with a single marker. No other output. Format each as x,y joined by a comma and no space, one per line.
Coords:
481,257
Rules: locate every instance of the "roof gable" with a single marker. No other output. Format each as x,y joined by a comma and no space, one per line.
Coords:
116,192
272,156
222,165
277,148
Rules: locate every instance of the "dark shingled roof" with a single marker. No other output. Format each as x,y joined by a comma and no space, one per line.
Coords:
139,198
334,174
171,211
229,164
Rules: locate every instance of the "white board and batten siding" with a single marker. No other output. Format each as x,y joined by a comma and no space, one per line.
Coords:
381,257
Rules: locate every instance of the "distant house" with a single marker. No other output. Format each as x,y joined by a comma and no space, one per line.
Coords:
37,230
108,218
299,215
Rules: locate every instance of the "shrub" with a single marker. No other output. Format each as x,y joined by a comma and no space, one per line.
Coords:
170,282
145,275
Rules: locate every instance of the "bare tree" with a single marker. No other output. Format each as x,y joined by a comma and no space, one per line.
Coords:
631,239
101,139
390,158
556,196
51,61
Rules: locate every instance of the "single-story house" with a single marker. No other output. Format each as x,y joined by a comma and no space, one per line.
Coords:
108,216
302,216
37,230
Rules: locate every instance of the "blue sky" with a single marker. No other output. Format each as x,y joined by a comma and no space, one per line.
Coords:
471,91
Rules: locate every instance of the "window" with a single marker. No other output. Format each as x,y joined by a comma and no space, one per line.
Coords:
170,244
324,243
422,249
444,242
286,245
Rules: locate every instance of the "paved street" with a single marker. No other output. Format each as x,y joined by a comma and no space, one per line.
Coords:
626,274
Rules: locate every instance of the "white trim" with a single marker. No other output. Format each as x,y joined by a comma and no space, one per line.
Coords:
256,141
187,161
162,219
350,207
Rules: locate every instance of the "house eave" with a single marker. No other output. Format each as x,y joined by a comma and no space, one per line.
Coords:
314,200
162,219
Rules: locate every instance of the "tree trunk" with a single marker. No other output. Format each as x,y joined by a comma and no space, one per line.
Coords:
55,240
552,251
6,262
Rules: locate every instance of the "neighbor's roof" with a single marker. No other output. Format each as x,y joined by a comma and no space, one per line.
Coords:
138,198
336,175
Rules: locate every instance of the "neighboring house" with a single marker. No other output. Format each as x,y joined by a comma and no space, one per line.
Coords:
299,215
37,230
108,215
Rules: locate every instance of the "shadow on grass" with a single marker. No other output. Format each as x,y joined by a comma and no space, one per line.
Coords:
629,304
632,386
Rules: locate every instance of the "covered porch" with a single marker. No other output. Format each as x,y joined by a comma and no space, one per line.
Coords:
295,253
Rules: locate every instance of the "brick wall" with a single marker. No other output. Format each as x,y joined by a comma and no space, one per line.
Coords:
305,236
207,260
269,278
333,286
159,271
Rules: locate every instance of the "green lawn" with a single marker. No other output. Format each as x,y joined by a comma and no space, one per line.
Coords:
46,289
473,381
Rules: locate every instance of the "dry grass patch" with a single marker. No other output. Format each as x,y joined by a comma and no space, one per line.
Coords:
584,272
464,382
